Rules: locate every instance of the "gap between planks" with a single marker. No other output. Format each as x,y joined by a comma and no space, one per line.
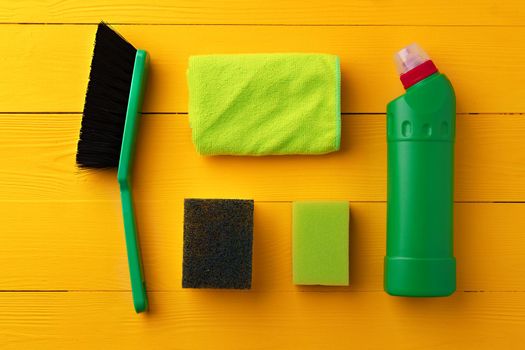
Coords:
214,291
344,114
257,201
266,24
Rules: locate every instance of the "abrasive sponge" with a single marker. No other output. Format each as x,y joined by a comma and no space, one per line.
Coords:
320,243
218,235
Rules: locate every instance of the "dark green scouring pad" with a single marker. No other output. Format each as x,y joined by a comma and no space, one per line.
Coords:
218,235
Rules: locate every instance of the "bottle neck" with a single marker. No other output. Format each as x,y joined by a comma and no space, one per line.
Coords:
416,74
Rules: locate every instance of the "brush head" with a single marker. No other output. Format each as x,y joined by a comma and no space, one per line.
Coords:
106,100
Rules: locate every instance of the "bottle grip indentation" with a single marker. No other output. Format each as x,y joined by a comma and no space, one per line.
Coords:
427,130
444,129
406,128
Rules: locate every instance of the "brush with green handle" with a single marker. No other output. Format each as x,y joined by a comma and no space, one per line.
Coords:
109,129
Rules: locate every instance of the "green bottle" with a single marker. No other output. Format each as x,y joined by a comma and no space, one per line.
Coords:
421,127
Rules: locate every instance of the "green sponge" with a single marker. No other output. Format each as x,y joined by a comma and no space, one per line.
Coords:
320,243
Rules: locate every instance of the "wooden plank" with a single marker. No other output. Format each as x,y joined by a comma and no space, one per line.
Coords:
38,155
79,245
226,320
56,60
402,12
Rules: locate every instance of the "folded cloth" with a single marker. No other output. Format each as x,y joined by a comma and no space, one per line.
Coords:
265,104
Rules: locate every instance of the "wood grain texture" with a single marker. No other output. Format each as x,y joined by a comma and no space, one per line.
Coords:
248,320
38,155
401,12
64,281
76,245
47,67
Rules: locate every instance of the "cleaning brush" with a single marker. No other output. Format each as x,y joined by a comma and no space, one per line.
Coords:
109,129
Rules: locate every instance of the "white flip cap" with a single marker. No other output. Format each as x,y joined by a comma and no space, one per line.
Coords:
409,58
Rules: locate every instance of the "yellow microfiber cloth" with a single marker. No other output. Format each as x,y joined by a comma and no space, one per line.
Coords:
265,104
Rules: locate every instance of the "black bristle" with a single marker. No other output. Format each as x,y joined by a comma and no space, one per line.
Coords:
218,235
106,100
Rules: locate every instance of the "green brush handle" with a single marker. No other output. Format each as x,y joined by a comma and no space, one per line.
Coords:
136,93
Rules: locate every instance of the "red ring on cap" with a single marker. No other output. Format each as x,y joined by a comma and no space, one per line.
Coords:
415,75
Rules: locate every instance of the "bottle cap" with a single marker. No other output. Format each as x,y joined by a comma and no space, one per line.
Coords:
413,64
409,58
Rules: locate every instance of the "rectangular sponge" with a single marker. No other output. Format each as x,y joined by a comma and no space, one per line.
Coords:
265,104
218,235
320,243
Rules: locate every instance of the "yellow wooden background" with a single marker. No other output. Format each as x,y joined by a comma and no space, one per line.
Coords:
63,269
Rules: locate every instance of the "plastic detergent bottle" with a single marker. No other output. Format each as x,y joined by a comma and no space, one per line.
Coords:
421,126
